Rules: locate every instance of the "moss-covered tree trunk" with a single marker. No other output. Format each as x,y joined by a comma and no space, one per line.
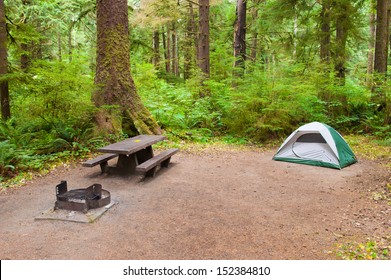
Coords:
342,27
325,34
116,96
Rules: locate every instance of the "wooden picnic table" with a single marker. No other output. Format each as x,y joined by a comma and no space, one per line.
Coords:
132,151
134,155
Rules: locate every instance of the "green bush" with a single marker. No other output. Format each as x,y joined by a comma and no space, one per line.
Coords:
52,117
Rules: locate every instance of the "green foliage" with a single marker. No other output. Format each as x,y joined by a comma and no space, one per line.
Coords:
177,107
262,106
55,91
282,88
269,106
52,117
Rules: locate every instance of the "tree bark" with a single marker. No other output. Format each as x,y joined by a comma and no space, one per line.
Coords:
341,38
70,47
295,31
59,46
168,50
116,97
25,48
381,42
371,43
4,92
190,44
156,50
174,52
165,53
240,38
203,53
325,32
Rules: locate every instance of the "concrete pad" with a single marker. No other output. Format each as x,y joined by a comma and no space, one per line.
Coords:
74,216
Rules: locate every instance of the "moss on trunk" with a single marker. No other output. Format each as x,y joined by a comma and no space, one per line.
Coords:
116,94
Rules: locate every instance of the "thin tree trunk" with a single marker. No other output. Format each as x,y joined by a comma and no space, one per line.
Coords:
24,58
4,92
165,52
59,46
70,47
325,32
174,41
168,50
113,78
254,45
156,50
240,38
254,39
295,31
190,44
371,43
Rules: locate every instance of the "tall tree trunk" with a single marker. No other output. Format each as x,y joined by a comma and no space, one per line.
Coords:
254,46
113,78
203,54
371,42
190,44
70,47
381,42
4,93
325,52
341,38
59,46
381,52
156,50
165,52
168,50
343,10
174,52
325,32
240,38
25,48
295,31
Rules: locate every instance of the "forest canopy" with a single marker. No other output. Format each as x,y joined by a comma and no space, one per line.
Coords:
251,70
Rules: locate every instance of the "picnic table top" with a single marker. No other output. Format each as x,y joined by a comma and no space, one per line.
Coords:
132,145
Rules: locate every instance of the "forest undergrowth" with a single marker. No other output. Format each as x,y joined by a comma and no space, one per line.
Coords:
53,114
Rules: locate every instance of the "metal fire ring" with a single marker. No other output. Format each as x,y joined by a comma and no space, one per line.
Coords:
81,199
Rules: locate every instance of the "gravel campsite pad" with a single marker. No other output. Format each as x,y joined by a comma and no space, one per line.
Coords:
213,204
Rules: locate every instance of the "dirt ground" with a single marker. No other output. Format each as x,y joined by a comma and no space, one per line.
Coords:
211,205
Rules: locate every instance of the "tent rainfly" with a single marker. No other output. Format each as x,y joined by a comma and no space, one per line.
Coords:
316,144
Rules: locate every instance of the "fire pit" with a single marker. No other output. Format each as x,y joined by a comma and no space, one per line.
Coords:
81,199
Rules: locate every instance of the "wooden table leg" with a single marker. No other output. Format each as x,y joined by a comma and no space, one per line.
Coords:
127,164
144,154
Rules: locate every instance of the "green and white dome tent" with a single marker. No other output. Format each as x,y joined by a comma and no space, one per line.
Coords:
316,144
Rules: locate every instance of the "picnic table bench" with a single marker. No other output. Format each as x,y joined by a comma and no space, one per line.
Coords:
149,167
134,155
101,160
